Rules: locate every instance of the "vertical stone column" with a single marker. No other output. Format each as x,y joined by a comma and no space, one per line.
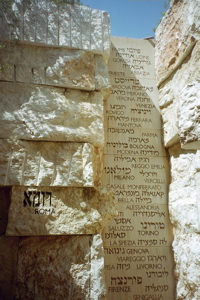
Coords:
54,80
178,73
138,256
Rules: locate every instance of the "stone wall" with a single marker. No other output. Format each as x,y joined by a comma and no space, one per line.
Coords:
54,80
178,75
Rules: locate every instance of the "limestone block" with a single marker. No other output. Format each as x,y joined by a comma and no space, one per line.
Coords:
53,114
187,257
183,162
184,190
59,268
189,116
59,211
170,130
98,290
183,205
49,164
176,36
178,99
67,68
8,267
46,22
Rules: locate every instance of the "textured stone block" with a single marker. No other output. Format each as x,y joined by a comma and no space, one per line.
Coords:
176,35
49,164
179,102
183,162
67,68
170,129
52,114
59,25
187,257
60,268
5,198
184,189
59,211
189,116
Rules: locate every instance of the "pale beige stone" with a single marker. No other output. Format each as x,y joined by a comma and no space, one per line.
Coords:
59,211
54,114
8,266
69,263
59,25
67,68
176,35
178,99
183,162
170,128
184,189
187,257
189,116
98,290
49,164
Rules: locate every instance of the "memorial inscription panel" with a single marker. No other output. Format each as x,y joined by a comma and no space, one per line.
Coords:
137,243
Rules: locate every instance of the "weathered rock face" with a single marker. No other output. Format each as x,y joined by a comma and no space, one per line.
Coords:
53,82
184,190
50,164
62,267
178,98
60,67
176,36
187,258
178,71
53,114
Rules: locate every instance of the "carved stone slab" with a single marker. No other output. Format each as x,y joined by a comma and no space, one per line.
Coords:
138,256
58,211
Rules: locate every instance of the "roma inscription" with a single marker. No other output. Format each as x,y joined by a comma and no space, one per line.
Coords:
137,243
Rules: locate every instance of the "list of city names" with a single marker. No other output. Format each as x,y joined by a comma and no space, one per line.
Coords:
137,242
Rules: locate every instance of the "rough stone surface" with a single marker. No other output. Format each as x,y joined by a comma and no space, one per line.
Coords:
59,211
8,267
178,73
67,68
184,190
179,102
5,196
69,264
59,25
49,164
176,34
67,267
188,114
98,291
187,257
54,114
